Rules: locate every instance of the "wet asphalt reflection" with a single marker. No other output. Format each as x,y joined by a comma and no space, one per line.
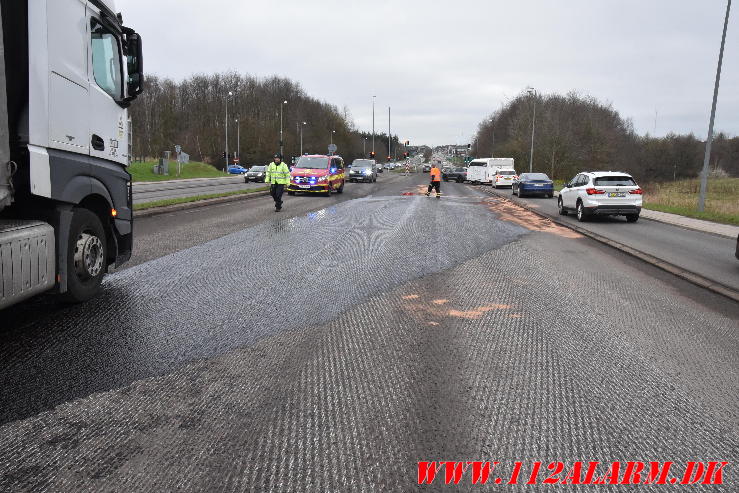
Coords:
203,301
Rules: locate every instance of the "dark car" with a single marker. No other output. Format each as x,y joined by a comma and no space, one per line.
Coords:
533,184
454,174
363,170
426,168
256,174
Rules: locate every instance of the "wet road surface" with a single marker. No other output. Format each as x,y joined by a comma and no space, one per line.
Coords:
334,346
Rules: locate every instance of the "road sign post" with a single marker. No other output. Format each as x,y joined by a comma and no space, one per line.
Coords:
332,149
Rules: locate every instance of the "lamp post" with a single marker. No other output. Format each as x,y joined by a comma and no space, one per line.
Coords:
364,147
709,140
373,123
238,140
532,92
301,138
492,138
230,93
281,141
331,135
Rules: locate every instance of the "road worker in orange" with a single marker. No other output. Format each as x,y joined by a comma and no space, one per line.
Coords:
435,181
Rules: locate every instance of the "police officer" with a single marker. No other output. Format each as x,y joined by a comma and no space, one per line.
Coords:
278,175
435,181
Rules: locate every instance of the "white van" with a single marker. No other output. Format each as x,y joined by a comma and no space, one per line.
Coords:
485,170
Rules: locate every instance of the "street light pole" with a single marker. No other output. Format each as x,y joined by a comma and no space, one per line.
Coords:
532,91
389,139
281,141
238,141
709,141
373,123
301,138
492,139
364,147
226,168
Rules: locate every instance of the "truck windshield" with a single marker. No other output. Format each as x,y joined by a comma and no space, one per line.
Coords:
310,162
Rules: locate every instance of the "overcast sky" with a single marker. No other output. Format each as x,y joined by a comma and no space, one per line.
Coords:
444,65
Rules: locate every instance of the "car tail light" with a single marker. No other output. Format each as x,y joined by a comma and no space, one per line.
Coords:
498,177
636,192
594,191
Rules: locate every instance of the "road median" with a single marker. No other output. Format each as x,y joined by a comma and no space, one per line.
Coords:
182,203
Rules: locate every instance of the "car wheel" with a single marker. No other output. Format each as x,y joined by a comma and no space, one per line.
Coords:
561,207
460,180
340,189
86,256
246,180
582,215
632,218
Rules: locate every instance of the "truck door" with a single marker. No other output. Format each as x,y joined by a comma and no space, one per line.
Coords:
108,133
68,80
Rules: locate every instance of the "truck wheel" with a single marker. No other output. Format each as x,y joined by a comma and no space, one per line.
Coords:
86,256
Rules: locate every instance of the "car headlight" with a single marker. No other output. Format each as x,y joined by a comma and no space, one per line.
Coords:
322,178
259,174
368,172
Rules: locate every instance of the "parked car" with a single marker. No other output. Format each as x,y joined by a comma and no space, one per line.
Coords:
426,168
256,174
601,193
454,174
318,174
235,169
363,170
533,184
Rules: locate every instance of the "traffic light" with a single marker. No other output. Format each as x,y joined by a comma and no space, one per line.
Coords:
388,158
223,155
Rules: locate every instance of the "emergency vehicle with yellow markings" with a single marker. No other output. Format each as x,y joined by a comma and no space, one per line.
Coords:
317,174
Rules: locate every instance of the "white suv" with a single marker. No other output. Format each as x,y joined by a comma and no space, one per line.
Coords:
602,193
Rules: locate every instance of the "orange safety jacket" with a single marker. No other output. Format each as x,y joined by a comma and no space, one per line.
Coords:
435,174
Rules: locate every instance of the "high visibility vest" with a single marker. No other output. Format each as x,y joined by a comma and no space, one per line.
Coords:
279,174
435,174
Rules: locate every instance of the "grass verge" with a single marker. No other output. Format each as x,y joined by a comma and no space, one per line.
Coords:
681,197
195,198
143,171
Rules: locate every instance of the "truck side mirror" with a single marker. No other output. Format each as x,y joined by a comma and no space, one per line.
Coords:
135,62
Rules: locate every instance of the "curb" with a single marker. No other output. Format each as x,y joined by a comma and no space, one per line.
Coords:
686,275
154,211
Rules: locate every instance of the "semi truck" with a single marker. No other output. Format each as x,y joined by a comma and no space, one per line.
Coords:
69,69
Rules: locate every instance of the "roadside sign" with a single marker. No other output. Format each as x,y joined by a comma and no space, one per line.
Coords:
178,149
332,148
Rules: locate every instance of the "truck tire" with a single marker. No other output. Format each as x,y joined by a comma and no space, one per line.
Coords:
86,256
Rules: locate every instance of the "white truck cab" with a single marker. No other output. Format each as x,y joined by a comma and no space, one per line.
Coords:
70,70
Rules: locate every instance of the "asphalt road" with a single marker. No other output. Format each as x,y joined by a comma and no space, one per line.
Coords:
331,346
152,191
711,256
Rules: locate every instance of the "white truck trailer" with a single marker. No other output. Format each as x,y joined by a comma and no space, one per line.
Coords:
68,71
